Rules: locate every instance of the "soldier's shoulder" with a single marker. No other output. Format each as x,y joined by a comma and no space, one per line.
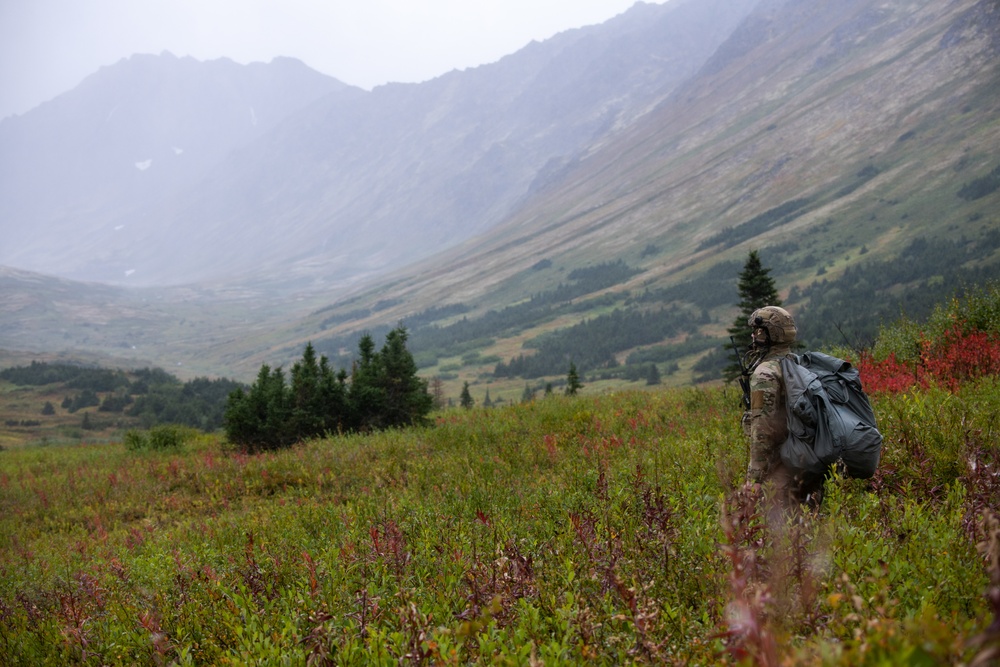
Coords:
768,370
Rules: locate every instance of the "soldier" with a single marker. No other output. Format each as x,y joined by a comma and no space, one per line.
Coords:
766,423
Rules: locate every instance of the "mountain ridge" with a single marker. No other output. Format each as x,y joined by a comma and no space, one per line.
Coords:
131,135
364,181
447,283
830,137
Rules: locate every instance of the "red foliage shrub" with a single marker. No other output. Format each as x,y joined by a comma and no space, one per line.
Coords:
888,375
956,357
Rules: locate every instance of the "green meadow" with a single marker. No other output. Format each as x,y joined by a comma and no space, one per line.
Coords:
609,529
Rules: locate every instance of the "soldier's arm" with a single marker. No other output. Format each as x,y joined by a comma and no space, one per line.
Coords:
765,390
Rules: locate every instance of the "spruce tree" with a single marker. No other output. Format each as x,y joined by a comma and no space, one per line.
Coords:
366,396
332,400
756,290
277,431
306,409
572,381
437,392
261,418
466,398
405,397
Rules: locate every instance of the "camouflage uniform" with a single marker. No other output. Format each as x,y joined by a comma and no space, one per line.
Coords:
766,423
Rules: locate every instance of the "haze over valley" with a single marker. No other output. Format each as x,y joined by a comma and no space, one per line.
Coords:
209,216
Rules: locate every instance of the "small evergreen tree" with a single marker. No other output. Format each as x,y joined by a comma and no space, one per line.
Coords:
366,395
653,376
573,384
465,398
332,401
487,403
49,409
260,419
528,395
437,392
306,409
756,290
405,399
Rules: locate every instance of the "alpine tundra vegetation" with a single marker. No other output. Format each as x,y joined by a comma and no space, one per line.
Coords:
573,217
606,529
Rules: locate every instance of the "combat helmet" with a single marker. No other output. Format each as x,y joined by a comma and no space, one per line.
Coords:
777,322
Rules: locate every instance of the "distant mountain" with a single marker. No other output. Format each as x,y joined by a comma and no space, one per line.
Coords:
354,184
854,144
82,169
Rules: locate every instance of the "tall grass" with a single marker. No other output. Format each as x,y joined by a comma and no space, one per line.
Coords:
605,530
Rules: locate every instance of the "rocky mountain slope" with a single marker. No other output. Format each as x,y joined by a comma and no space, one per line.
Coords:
81,171
854,144
353,184
832,137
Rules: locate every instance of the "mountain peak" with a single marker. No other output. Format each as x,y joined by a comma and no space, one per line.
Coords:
667,142
171,170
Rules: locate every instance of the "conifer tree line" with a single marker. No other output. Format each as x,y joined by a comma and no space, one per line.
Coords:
382,391
150,395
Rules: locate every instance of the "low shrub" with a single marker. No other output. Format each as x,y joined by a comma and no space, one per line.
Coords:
960,342
565,531
158,438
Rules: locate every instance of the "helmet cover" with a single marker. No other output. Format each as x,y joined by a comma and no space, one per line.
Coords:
778,323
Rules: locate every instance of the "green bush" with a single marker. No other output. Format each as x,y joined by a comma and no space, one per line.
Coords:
158,438
135,440
384,392
977,309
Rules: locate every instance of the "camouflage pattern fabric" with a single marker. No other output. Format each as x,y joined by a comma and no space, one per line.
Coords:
766,422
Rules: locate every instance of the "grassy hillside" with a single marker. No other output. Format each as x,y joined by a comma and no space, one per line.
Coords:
838,147
606,530
49,403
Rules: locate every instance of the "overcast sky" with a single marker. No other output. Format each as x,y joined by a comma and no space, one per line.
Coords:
48,46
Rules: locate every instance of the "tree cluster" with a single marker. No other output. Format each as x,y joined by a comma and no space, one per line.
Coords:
775,217
40,373
200,402
430,342
85,399
981,187
593,343
151,395
383,391
850,309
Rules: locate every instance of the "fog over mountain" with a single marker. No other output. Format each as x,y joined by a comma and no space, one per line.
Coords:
160,171
611,174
